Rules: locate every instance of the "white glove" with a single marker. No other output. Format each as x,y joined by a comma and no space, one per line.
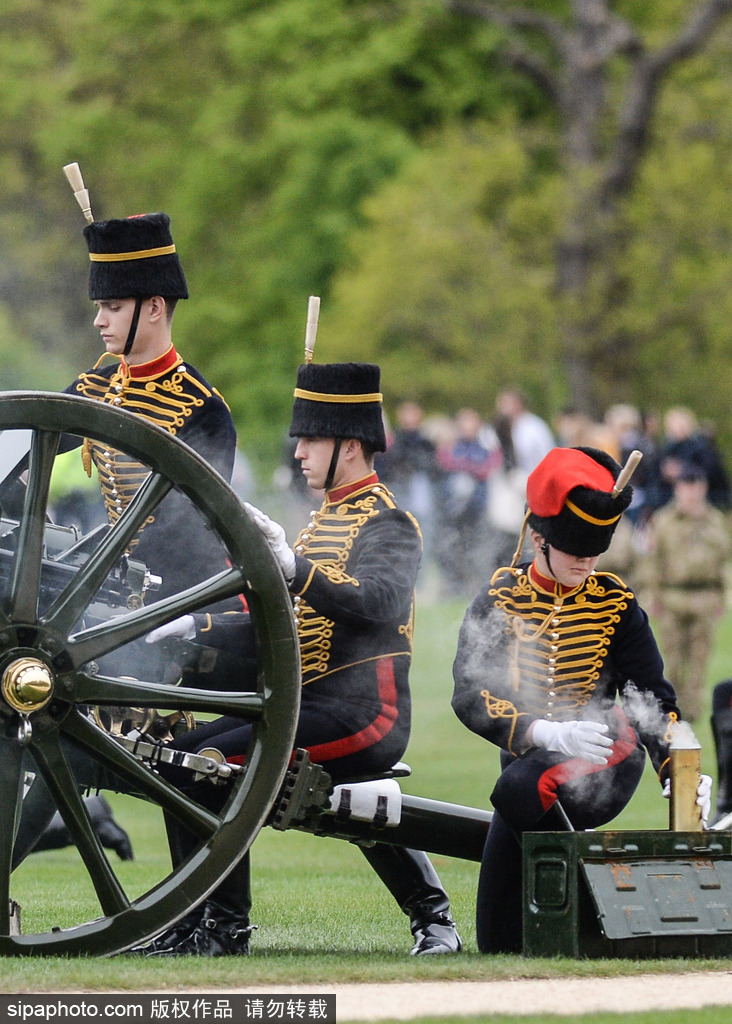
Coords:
574,739
703,795
184,627
276,539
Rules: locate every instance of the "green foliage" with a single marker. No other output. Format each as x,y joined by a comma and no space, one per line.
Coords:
21,367
448,284
451,282
333,147
678,300
259,127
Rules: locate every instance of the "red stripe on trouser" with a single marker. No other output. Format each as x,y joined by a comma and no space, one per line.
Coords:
374,731
241,598
575,768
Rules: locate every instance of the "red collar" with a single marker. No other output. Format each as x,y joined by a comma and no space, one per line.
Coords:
340,493
548,585
154,368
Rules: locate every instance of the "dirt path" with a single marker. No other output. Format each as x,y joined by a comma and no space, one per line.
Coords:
568,996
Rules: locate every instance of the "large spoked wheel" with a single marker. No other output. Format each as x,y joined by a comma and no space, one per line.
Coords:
51,651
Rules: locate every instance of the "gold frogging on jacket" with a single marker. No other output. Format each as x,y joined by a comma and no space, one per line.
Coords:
498,707
328,540
558,642
167,400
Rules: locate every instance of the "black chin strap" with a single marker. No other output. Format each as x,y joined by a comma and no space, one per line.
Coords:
133,328
545,553
333,463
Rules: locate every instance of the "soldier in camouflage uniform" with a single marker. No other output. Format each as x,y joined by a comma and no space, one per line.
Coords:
685,573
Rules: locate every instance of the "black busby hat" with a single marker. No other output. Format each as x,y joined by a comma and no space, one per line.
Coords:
339,400
134,258
571,502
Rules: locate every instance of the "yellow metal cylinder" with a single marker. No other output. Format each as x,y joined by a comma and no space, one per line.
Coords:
685,813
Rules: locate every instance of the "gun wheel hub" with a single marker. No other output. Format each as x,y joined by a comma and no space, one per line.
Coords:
27,685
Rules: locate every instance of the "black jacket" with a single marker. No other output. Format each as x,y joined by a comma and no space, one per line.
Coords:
527,652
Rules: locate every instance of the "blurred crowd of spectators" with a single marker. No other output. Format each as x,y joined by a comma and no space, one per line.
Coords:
464,478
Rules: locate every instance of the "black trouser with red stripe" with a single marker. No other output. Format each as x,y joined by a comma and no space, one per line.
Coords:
352,732
525,799
347,747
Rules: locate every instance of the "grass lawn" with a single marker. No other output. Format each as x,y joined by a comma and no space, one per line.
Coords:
707,1015
322,914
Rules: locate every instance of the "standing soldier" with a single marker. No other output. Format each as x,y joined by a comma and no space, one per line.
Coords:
136,280
352,575
689,547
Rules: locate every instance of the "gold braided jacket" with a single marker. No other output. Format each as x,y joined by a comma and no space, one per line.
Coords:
529,649
165,392
356,569
175,542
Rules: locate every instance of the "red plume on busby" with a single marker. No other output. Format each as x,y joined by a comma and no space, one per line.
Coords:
571,500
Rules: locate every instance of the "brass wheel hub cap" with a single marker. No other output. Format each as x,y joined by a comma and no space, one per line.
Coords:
27,685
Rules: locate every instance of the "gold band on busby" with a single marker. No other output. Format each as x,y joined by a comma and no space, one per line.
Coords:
572,500
134,258
339,400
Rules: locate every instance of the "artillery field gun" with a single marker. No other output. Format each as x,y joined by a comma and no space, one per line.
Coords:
74,612
53,642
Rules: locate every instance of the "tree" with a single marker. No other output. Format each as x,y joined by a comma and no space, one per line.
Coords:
448,283
39,287
259,126
22,370
604,81
277,132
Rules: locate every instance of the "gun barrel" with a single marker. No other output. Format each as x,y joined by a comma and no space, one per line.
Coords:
446,829
436,827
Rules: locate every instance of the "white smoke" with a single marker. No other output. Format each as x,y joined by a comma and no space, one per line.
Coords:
683,738
483,653
645,712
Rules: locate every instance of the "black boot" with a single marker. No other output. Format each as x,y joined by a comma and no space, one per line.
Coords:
111,835
171,937
223,929
56,836
722,732
220,932
413,882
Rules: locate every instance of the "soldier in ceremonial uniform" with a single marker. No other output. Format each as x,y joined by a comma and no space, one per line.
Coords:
721,723
136,280
352,575
557,665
